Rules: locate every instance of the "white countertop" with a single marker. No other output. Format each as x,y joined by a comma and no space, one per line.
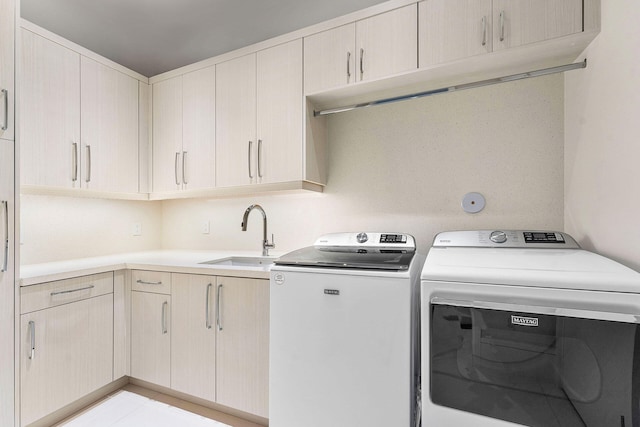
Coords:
173,261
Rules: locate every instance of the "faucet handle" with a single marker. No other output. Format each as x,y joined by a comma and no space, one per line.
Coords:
271,244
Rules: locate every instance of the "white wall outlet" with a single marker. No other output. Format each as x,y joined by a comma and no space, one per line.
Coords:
206,229
136,230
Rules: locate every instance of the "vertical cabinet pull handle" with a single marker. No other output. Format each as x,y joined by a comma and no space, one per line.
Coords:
164,317
5,262
184,167
484,31
361,63
5,95
502,26
74,176
259,158
249,159
207,314
32,335
348,66
88,178
175,166
218,313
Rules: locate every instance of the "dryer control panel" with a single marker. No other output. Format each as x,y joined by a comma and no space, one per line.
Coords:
506,239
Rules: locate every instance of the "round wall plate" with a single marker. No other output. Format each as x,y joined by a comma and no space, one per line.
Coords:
473,202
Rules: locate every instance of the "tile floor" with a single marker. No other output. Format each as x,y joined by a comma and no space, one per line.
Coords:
134,406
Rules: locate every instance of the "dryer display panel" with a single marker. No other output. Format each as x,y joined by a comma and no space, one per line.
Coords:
533,369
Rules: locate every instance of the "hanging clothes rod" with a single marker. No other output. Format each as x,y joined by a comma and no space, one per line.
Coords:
513,77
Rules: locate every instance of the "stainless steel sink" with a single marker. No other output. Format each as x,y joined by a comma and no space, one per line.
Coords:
242,261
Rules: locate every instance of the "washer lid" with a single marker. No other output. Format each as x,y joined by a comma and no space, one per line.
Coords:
364,251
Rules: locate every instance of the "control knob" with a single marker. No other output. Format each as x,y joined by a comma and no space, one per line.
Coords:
498,237
362,237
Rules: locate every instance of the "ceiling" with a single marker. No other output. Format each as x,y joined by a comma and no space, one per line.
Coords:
154,36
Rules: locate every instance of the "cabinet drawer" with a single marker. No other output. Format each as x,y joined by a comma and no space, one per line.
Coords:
51,294
151,281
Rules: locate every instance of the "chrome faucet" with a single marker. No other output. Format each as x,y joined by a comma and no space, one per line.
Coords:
266,245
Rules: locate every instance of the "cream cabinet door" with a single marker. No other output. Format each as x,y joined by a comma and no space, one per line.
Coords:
66,352
151,337
520,22
453,29
50,108
7,282
387,44
236,145
329,59
279,113
167,135
7,96
198,161
242,362
109,128
193,345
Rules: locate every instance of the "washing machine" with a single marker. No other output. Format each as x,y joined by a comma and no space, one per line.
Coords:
526,328
343,332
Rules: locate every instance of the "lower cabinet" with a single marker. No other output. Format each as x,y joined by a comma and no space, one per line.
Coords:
66,343
193,346
242,354
151,327
220,340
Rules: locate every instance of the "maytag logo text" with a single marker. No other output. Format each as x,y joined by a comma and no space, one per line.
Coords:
524,321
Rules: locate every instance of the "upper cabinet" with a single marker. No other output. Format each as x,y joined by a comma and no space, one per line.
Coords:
50,113
184,117
520,22
79,127
109,128
7,92
236,122
456,29
371,48
259,117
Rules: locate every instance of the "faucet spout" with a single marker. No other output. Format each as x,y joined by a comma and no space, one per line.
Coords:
266,245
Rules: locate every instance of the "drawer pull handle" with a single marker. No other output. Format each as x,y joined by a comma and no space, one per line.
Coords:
143,282
218,313
206,308
5,95
32,333
484,31
249,159
88,178
5,243
164,317
72,290
74,175
175,167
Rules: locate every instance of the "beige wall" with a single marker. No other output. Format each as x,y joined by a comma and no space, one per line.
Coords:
405,167
602,139
58,228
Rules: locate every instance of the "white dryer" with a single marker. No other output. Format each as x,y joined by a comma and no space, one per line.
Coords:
343,332
526,328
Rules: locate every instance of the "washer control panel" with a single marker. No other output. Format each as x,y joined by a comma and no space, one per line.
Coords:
506,239
367,240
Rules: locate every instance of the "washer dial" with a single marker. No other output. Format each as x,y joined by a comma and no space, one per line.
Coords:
498,236
362,237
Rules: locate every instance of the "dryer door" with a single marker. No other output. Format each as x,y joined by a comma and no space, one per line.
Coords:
535,365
